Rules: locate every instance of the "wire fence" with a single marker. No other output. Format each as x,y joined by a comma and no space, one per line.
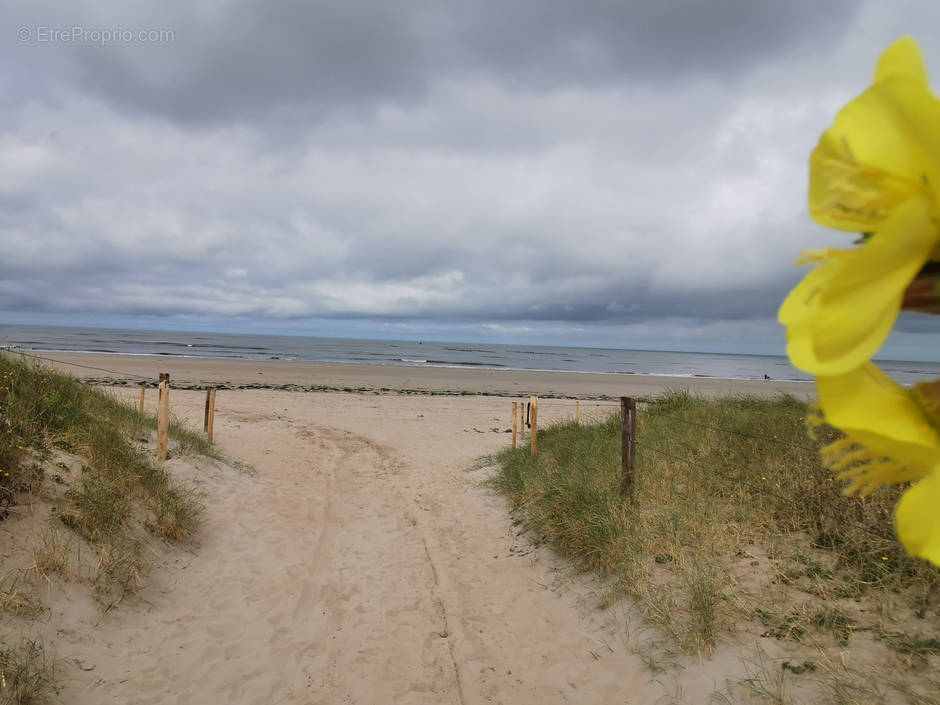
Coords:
630,442
550,403
730,431
76,364
554,404
163,407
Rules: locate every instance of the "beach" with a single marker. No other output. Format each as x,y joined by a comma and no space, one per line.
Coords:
360,558
319,376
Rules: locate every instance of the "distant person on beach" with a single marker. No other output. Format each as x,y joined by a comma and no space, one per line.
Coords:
766,376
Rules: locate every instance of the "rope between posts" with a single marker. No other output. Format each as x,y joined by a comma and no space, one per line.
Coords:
76,364
719,429
645,446
163,410
731,431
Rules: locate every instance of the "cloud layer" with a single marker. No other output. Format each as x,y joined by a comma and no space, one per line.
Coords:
569,166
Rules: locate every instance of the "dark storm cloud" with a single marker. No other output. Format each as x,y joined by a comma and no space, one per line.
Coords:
242,60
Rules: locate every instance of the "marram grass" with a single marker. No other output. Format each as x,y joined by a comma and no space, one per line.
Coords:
711,508
42,410
86,453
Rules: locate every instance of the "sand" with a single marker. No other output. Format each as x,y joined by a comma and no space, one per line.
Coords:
420,380
361,561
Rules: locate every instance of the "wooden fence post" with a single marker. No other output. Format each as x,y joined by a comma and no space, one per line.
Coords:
514,421
142,390
521,420
628,446
534,420
210,419
163,415
205,414
577,412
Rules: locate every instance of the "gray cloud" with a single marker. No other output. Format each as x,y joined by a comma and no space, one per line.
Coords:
585,165
243,60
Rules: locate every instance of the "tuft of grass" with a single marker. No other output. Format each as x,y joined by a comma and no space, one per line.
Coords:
27,675
705,591
177,515
912,645
52,553
98,504
119,571
834,620
16,601
763,681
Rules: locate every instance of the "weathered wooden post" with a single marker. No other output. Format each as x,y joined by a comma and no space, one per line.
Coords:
163,415
628,446
534,417
577,412
210,417
514,421
205,414
142,390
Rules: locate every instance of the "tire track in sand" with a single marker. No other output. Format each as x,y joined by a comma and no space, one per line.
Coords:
386,636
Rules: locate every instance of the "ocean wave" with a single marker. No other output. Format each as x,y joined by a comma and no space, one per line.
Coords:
448,363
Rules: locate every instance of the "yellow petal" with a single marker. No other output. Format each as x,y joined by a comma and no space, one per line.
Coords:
927,396
902,59
875,411
883,148
842,312
918,521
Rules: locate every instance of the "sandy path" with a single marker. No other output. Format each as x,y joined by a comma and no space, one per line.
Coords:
361,564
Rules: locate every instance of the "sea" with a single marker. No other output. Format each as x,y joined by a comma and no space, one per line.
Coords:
102,341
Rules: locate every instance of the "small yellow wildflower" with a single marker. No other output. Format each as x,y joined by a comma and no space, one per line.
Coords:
875,171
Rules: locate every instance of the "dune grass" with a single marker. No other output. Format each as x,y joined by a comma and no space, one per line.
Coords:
723,527
42,410
89,456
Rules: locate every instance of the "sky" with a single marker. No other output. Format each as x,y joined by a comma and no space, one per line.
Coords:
590,172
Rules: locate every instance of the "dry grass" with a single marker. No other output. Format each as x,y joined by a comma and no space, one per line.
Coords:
52,554
727,529
27,675
18,600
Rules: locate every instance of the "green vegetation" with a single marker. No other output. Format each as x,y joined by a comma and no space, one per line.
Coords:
85,455
42,410
724,528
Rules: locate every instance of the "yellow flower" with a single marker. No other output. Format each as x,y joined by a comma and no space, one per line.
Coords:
891,437
875,171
